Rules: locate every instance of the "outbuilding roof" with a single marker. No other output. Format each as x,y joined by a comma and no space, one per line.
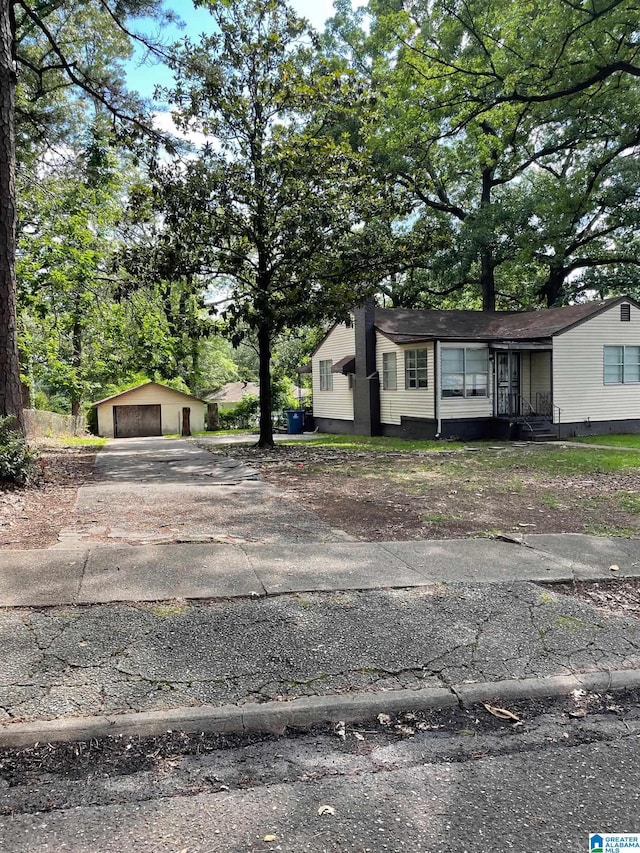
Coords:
144,385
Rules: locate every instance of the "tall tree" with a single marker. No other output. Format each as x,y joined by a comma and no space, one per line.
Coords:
483,99
53,44
10,391
269,209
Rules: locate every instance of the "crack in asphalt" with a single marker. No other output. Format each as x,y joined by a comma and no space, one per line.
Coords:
554,635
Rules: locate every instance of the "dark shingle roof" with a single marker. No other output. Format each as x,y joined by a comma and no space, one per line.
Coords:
404,326
345,365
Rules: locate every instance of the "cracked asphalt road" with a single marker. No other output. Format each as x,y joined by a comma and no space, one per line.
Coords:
116,658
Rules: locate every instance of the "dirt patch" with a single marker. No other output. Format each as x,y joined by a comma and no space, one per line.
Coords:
373,495
32,516
614,597
448,494
47,777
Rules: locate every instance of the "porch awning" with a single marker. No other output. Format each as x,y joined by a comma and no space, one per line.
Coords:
305,368
521,345
345,365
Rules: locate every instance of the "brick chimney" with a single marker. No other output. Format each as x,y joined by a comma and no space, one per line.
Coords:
366,382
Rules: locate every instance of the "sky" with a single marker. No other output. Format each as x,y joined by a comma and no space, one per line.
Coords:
144,78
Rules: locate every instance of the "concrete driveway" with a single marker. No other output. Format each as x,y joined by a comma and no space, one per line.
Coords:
155,490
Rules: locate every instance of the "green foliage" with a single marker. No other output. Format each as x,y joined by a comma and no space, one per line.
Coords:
16,460
511,127
65,51
271,208
217,365
244,415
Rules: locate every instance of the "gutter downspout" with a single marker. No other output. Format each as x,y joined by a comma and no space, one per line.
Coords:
437,384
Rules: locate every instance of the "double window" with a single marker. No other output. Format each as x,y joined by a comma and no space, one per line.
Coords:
326,376
621,365
415,368
465,372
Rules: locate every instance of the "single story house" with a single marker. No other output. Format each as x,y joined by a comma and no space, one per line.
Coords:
232,393
149,409
473,374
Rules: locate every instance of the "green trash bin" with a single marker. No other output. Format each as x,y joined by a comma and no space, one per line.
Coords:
295,419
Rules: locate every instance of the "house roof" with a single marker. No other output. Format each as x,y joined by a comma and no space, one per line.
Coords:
144,385
404,326
233,392
345,365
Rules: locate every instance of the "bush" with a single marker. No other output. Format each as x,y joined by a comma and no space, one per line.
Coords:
16,460
243,416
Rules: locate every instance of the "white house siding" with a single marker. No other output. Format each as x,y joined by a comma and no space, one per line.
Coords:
468,407
408,403
525,376
338,403
540,374
578,381
171,405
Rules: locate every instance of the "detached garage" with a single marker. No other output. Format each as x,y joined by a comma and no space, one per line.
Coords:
149,409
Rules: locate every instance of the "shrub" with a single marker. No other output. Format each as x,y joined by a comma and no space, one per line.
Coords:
243,416
16,460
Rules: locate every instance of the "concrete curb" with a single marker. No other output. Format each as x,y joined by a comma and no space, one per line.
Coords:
275,717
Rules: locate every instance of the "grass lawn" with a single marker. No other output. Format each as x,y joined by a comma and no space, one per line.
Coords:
81,441
545,458
627,440
378,443
385,489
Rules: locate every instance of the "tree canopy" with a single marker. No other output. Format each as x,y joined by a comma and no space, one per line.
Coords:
272,206
58,61
513,127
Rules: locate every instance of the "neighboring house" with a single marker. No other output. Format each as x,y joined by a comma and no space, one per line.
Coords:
149,409
232,393
471,374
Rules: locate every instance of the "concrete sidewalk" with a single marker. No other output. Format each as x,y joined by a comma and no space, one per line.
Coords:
298,635
164,572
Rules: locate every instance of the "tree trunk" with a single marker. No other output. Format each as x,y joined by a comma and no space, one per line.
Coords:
264,352
487,280
554,285
76,359
10,390
487,266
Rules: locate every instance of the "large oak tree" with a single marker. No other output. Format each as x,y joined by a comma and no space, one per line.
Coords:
514,128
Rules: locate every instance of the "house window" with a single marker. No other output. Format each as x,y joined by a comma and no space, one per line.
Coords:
621,365
465,372
625,312
389,371
415,368
326,376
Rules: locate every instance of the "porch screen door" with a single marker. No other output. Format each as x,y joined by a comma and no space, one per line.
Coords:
508,383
